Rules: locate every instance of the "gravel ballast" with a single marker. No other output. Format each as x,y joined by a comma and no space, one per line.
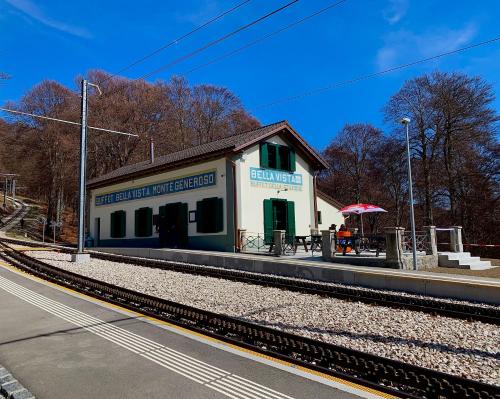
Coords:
467,349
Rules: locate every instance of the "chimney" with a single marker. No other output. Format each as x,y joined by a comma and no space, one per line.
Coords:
151,150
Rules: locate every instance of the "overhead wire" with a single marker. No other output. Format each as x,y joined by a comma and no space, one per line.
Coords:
216,41
206,46
265,37
67,122
177,40
371,75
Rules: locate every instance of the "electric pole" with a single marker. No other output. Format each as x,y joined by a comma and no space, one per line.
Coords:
80,256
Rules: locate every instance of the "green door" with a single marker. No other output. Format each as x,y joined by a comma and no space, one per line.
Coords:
279,214
176,225
268,221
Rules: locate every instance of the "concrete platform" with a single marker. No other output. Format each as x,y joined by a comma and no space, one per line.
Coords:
477,289
61,344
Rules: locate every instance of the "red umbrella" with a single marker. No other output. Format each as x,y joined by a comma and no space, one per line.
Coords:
359,209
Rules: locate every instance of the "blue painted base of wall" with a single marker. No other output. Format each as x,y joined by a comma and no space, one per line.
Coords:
206,243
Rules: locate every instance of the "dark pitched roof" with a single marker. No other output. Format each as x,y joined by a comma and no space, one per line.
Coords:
332,201
231,144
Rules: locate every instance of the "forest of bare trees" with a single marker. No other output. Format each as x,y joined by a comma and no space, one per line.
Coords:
454,141
455,158
175,114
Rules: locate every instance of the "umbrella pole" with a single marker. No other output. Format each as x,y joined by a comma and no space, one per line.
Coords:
362,232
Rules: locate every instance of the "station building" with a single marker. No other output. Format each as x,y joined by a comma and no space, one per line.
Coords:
202,197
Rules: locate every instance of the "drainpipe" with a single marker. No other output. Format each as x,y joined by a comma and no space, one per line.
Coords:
315,201
235,207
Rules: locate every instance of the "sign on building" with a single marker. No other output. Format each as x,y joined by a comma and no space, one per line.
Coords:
275,179
177,185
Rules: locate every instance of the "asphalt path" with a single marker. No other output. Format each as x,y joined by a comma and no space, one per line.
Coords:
60,344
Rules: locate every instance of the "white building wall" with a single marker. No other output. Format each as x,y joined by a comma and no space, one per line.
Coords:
251,196
190,197
329,215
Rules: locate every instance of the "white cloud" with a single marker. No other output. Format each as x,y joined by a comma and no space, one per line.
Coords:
406,46
396,10
34,12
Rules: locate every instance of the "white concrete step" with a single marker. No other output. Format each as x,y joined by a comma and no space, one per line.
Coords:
459,255
462,260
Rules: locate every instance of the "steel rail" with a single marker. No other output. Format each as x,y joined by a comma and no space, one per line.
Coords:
12,217
428,305
386,375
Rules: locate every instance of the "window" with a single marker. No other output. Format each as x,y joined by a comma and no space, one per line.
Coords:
144,222
274,156
118,224
209,215
320,221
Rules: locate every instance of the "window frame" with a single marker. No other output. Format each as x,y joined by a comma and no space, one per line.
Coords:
272,157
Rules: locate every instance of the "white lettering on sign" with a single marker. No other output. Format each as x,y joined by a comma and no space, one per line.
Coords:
275,177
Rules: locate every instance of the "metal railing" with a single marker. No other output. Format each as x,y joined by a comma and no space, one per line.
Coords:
423,241
255,242
309,245
291,245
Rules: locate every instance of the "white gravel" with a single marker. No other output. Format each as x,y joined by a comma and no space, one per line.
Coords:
467,349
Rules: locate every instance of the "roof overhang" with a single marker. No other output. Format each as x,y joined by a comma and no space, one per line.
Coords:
154,170
309,153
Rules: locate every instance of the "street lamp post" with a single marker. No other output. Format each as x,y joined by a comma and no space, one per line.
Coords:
406,122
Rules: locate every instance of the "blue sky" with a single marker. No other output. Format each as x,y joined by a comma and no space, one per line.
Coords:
61,39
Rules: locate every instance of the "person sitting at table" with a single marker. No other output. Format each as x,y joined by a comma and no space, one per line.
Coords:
342,227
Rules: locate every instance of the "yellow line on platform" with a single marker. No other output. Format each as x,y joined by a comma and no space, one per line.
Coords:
200,335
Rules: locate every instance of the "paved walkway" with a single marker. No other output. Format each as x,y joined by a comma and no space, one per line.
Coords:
60,344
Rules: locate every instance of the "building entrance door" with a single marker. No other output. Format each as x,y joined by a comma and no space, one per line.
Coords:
279,214
174,225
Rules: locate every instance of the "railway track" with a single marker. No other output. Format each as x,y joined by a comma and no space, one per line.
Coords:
422,304
12,218
382,374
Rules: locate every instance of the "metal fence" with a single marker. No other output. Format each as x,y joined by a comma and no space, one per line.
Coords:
423,242
291,245
255,242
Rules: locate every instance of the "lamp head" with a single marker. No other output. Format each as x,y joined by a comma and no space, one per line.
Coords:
405,121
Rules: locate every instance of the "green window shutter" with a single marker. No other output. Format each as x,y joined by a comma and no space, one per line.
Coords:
184,225
149,222
200,217
264,155
290,222
113,225
320,221
279,155
144,222
291,160
283,157
122,218
210,215
161,211
272,156
268,221
219,215
137,227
